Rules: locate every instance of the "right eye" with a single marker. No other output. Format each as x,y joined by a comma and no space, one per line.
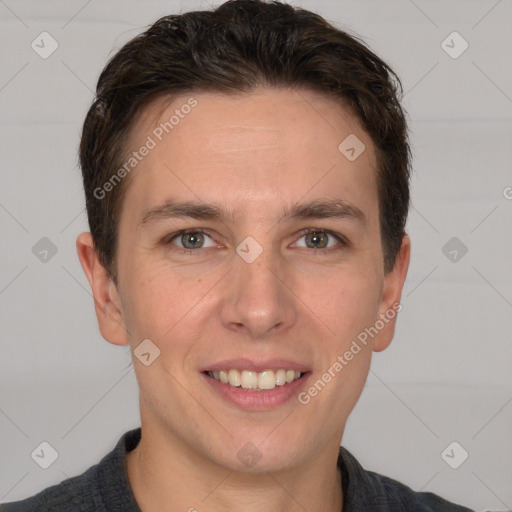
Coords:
190,239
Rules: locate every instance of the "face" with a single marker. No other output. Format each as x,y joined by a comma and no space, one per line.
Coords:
250,244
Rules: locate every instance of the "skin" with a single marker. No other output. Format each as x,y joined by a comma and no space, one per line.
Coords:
254,154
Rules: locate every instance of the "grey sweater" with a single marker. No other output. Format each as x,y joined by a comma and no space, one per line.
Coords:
104,487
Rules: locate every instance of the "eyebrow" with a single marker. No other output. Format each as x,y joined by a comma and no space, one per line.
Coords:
317,209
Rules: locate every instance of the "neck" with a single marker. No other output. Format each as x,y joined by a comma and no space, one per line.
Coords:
167,476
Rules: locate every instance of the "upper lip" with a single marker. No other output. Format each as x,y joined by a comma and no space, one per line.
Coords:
257,365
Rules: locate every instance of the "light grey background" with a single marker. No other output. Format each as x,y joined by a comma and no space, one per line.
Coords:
446,376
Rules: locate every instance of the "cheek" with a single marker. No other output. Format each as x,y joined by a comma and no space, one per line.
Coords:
345,300
161,302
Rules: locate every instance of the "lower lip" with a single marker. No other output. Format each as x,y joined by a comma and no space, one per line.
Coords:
251,400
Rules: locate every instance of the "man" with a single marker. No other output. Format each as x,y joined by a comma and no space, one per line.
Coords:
246,176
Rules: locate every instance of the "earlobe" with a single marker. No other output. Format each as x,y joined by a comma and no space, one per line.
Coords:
106,299
391,294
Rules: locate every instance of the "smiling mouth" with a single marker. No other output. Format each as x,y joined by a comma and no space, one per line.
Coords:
256,381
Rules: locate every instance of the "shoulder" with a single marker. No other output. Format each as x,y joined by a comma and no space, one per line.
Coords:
367,490
102,487
403,497
74,494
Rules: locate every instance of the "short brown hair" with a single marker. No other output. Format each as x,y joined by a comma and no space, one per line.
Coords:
233,49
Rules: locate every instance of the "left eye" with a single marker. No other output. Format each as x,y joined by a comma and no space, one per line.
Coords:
319,239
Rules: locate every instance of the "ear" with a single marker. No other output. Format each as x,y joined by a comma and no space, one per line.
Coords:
390,299
106,298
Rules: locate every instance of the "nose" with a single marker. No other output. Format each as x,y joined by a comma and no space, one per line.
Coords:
259,301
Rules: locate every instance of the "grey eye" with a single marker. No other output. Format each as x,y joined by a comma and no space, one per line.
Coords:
193,240
317,239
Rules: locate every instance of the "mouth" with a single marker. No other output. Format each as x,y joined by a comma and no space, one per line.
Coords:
256,381
253,390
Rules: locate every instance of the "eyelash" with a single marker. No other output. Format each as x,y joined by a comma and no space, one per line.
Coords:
342,240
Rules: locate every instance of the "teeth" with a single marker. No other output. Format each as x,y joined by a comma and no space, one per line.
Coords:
234,378
280,377
266,380
248,380
258,381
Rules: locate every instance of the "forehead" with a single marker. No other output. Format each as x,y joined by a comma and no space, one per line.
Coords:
267,146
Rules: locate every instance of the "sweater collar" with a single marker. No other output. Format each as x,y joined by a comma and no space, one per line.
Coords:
358,487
